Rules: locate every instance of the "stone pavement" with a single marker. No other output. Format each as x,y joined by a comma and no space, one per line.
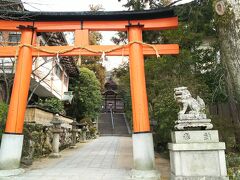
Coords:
105,158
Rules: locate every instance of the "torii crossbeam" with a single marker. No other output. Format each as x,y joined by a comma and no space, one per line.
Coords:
133,22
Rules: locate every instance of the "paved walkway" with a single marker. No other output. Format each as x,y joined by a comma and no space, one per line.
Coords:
106,158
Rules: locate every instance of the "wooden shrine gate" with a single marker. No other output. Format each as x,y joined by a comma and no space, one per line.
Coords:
133,22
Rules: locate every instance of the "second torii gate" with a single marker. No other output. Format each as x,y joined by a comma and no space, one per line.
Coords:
134,22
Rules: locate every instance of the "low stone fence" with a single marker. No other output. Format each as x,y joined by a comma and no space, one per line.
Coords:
38,115
39,133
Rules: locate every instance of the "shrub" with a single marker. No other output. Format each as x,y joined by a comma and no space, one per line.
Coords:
233,165
3,116
52,104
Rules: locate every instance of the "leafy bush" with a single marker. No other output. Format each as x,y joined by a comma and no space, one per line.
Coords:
52,104
86,120
3,116
233,165
92,129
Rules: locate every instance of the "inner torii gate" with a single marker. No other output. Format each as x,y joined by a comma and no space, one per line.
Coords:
133,22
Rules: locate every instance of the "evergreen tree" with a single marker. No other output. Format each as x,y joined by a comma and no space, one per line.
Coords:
87,95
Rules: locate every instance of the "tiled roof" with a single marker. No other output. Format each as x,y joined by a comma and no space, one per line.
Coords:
93,15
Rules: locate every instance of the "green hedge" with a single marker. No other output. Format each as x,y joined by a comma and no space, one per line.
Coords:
3,116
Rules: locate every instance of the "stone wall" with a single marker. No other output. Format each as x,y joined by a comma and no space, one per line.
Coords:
35,114
38,134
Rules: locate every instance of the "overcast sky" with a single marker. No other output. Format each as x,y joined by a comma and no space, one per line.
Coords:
83,5
71,5
75,5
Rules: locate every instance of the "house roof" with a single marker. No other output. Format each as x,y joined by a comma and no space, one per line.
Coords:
109,92
91,15
110,84
11,5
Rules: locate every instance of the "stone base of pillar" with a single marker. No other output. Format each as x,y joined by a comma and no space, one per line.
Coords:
173,177
11,172
55,155
197,155
143,157
146,175
11,151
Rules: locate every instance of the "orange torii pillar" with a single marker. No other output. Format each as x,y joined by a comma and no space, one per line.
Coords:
12,140
143,151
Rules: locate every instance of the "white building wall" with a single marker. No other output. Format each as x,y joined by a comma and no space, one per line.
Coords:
53,82
53,74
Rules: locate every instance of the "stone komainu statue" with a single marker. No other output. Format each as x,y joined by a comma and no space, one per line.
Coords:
192,111
188,105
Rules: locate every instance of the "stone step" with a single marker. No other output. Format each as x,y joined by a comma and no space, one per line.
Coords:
105,124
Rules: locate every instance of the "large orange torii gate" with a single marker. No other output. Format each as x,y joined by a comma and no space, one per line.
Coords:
134,23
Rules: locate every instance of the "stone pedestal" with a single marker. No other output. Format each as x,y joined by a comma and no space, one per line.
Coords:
197,155
74,137
84,135
143,157
191,124
74,134
55,146
56,136
10,154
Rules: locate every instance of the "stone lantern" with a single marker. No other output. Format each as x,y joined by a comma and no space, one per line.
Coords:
96,129
84,132
56,136
74,133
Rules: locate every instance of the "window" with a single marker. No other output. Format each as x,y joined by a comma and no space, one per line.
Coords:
65,80
58,71
14,38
